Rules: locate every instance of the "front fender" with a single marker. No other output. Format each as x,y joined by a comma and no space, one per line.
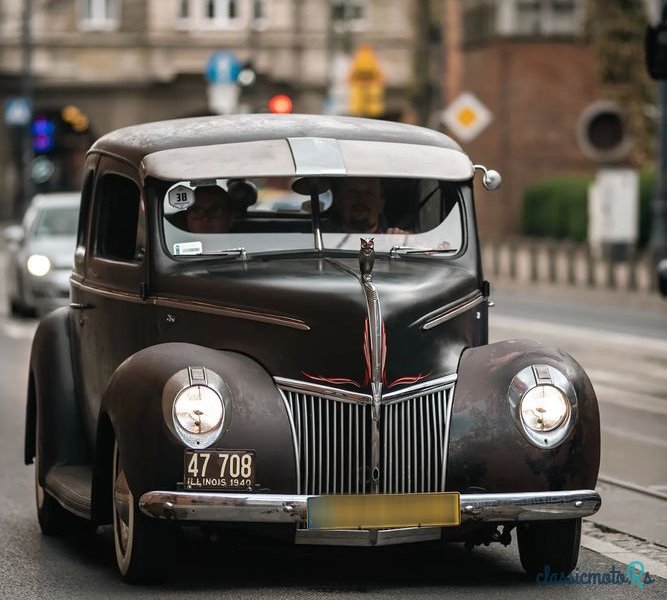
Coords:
152,456
488,452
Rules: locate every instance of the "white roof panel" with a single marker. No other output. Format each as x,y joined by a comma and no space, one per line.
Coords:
309,156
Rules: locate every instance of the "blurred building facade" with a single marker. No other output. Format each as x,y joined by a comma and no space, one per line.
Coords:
530,64
120,62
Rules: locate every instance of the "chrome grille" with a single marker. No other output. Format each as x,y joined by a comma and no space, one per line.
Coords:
331,443
413,444
332,438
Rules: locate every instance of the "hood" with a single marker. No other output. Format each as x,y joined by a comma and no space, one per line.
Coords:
326,296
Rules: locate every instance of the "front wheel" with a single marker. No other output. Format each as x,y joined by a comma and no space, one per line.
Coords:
142,544
549,546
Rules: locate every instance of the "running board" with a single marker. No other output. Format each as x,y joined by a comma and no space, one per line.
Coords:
71,486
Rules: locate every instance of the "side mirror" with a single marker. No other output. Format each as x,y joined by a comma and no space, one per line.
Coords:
661,273
491,178
13,234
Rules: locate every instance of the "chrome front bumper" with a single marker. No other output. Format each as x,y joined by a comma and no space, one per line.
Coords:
287,508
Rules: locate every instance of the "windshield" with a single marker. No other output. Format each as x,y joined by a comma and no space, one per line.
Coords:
56,221
274,214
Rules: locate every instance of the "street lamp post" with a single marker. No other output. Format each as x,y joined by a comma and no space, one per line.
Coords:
26,92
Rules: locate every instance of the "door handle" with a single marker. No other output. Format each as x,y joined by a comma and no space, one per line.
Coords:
80,305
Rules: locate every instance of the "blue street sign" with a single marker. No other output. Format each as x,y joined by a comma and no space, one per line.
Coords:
222,67
18,111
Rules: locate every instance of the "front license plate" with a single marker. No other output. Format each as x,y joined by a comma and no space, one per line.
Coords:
219,470
379,511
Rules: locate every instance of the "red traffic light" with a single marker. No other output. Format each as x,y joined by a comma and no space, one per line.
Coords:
281,104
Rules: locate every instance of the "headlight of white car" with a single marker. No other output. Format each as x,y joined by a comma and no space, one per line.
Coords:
543,404
38,265
197,406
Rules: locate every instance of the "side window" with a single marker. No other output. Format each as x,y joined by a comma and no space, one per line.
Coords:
117,218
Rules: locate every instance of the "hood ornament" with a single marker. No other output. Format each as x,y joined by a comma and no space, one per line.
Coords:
374,346
366,258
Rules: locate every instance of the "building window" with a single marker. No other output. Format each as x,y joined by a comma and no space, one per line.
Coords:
259,14
479,22
99,14
222,13
348,14
184,10
528,17
563,16
548,17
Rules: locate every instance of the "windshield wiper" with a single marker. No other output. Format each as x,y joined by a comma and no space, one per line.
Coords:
397,250
232,251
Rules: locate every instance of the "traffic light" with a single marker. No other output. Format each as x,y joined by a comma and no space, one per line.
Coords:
43,129
602,133
61,137
75,118
51,128
247,76
280,104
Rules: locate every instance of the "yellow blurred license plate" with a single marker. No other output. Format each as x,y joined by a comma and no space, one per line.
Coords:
378,511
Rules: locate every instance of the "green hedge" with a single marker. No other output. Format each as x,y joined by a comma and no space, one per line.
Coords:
557,208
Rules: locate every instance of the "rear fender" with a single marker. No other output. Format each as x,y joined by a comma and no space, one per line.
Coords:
52,408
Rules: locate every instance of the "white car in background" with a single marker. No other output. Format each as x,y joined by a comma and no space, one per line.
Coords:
41,254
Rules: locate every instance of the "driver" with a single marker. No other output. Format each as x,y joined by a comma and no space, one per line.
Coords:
213,211
359,205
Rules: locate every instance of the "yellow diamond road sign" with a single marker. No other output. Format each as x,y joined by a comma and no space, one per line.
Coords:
466,117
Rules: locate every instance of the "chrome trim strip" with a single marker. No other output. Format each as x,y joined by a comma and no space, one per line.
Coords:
445,447
228,311
294,439
366,537
317,156
450,311
375,337
419,389
292,508
530,506
114,295
322,390
348,396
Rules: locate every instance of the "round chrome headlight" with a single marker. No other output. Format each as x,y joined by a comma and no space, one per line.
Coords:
199,409
544,408
543,404
38,265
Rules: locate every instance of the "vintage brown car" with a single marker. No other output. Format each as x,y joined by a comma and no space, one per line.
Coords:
282,320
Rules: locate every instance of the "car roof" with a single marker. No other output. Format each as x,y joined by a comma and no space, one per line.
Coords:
56,200
137,141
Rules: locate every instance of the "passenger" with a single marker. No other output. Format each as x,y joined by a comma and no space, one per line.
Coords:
213,211
359,206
